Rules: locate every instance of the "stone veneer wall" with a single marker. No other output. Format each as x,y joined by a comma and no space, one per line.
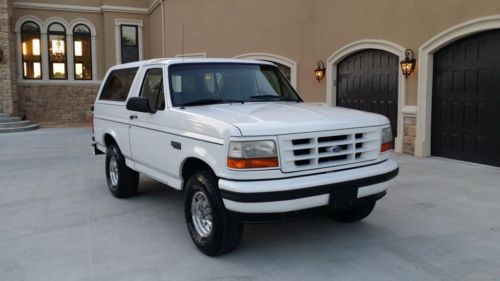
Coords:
410,132
8,90
57,104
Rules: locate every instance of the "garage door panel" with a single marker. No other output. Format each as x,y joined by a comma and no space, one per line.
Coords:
374,76
466,100
470,81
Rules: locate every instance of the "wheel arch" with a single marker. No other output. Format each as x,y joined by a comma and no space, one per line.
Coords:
191,165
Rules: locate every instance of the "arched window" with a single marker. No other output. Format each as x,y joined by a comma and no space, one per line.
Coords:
285,69
287,66
57,51
82,54
31,51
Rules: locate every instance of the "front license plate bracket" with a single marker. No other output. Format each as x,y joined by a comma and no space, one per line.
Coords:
342,198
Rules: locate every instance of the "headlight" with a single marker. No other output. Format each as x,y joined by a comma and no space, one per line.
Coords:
386,139
252,155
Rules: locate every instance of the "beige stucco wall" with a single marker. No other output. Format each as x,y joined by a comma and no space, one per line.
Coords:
308,31
155,43
303,31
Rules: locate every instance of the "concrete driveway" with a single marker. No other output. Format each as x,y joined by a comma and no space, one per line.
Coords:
440,221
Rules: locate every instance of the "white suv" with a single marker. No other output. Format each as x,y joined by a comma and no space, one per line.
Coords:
242,145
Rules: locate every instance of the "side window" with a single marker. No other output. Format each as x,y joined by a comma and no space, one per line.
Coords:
118,84
152,88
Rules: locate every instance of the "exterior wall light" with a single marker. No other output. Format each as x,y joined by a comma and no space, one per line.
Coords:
1,55
319,72
408,64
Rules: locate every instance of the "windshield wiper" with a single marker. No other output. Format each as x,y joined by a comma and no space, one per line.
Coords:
272,97
210,101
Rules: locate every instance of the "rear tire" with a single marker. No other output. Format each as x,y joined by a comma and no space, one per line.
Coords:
212,228
123,182
355,214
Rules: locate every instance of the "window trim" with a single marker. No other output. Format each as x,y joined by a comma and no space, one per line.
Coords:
39,33
118,49
122,45
44,51
89,35
277,59
50,61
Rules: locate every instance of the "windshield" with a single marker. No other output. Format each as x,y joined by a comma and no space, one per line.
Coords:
213,83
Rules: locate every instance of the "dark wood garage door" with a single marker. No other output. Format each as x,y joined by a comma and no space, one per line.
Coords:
368,80
466,100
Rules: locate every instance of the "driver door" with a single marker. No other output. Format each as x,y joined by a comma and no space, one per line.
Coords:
149,141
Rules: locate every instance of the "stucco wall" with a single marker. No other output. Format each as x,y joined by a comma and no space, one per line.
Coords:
308,31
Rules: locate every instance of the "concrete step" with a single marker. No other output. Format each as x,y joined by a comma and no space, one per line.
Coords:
10,119
15,124
19,129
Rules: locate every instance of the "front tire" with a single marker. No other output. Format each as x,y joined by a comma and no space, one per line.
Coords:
213,230
123,182
355,214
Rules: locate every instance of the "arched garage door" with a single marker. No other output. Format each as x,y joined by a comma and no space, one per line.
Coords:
466,100
368,80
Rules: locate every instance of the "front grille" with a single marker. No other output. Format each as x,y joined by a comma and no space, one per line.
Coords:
327,149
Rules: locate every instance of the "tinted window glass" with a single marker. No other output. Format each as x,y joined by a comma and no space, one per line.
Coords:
129,43
209,83
118,84
152,88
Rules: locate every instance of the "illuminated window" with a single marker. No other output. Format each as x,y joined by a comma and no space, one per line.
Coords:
82,55
30,41
57,51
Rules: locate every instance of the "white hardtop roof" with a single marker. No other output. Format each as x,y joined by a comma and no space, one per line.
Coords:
169,61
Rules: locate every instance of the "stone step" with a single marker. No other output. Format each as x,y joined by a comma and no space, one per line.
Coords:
3,115
19,129
10,119
15,124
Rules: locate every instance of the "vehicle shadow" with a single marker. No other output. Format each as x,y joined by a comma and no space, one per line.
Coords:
316,233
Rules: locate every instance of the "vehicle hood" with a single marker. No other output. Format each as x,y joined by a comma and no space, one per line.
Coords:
277,118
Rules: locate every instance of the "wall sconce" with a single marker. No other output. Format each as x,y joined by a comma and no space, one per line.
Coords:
408,64
1,55
319,72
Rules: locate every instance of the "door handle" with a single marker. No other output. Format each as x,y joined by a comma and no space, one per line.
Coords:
133,116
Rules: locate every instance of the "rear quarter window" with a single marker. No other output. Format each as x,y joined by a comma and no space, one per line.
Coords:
117,86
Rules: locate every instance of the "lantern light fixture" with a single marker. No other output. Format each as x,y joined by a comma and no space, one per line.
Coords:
408,64
319,72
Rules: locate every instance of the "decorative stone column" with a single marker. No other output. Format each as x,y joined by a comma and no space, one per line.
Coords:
8,86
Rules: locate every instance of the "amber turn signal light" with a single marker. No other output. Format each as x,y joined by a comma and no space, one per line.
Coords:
386,146
252,163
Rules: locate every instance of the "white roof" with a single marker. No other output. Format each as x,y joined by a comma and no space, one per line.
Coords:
169,61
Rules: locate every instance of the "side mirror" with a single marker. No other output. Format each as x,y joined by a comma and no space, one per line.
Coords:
140,104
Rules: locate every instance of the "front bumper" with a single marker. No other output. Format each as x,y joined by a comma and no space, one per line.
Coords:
305,192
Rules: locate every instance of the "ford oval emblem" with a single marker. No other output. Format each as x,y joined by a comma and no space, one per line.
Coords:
336,148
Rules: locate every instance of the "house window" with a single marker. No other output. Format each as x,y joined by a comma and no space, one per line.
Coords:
129,43
57,51
82,54
286,66
31,51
